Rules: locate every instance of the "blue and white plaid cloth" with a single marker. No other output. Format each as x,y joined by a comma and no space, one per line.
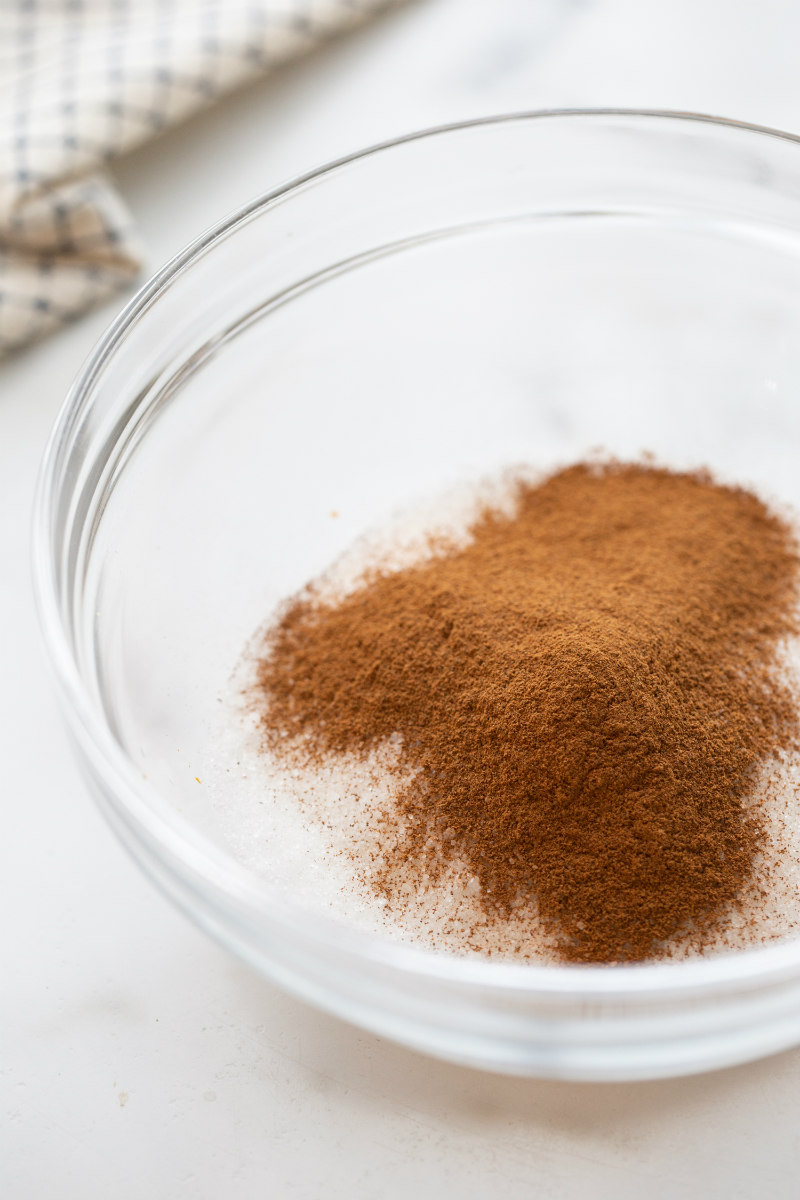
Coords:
84,80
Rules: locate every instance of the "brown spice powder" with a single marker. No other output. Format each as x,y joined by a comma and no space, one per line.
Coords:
584,694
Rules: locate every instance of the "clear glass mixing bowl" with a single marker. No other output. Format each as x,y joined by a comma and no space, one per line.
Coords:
513,290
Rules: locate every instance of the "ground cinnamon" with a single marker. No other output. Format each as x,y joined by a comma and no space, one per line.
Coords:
584,694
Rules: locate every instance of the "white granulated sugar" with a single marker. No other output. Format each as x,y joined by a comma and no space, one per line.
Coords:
318,835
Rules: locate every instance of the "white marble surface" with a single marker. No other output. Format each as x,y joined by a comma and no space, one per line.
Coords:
138,1059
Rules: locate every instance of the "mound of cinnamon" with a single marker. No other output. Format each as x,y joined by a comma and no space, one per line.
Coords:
585,693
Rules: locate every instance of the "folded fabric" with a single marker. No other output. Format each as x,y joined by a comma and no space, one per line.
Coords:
84,80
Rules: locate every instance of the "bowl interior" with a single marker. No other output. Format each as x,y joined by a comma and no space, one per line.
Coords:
515,302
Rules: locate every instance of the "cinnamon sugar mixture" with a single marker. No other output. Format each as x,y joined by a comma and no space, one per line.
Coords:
576,706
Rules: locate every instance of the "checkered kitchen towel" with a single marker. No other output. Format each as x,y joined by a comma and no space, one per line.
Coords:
84,80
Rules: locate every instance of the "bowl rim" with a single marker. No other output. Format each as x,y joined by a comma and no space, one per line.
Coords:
177,841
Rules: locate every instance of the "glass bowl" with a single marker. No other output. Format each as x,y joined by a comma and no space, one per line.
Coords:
518,289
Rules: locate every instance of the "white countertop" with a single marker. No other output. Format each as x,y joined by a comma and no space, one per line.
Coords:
137,1058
